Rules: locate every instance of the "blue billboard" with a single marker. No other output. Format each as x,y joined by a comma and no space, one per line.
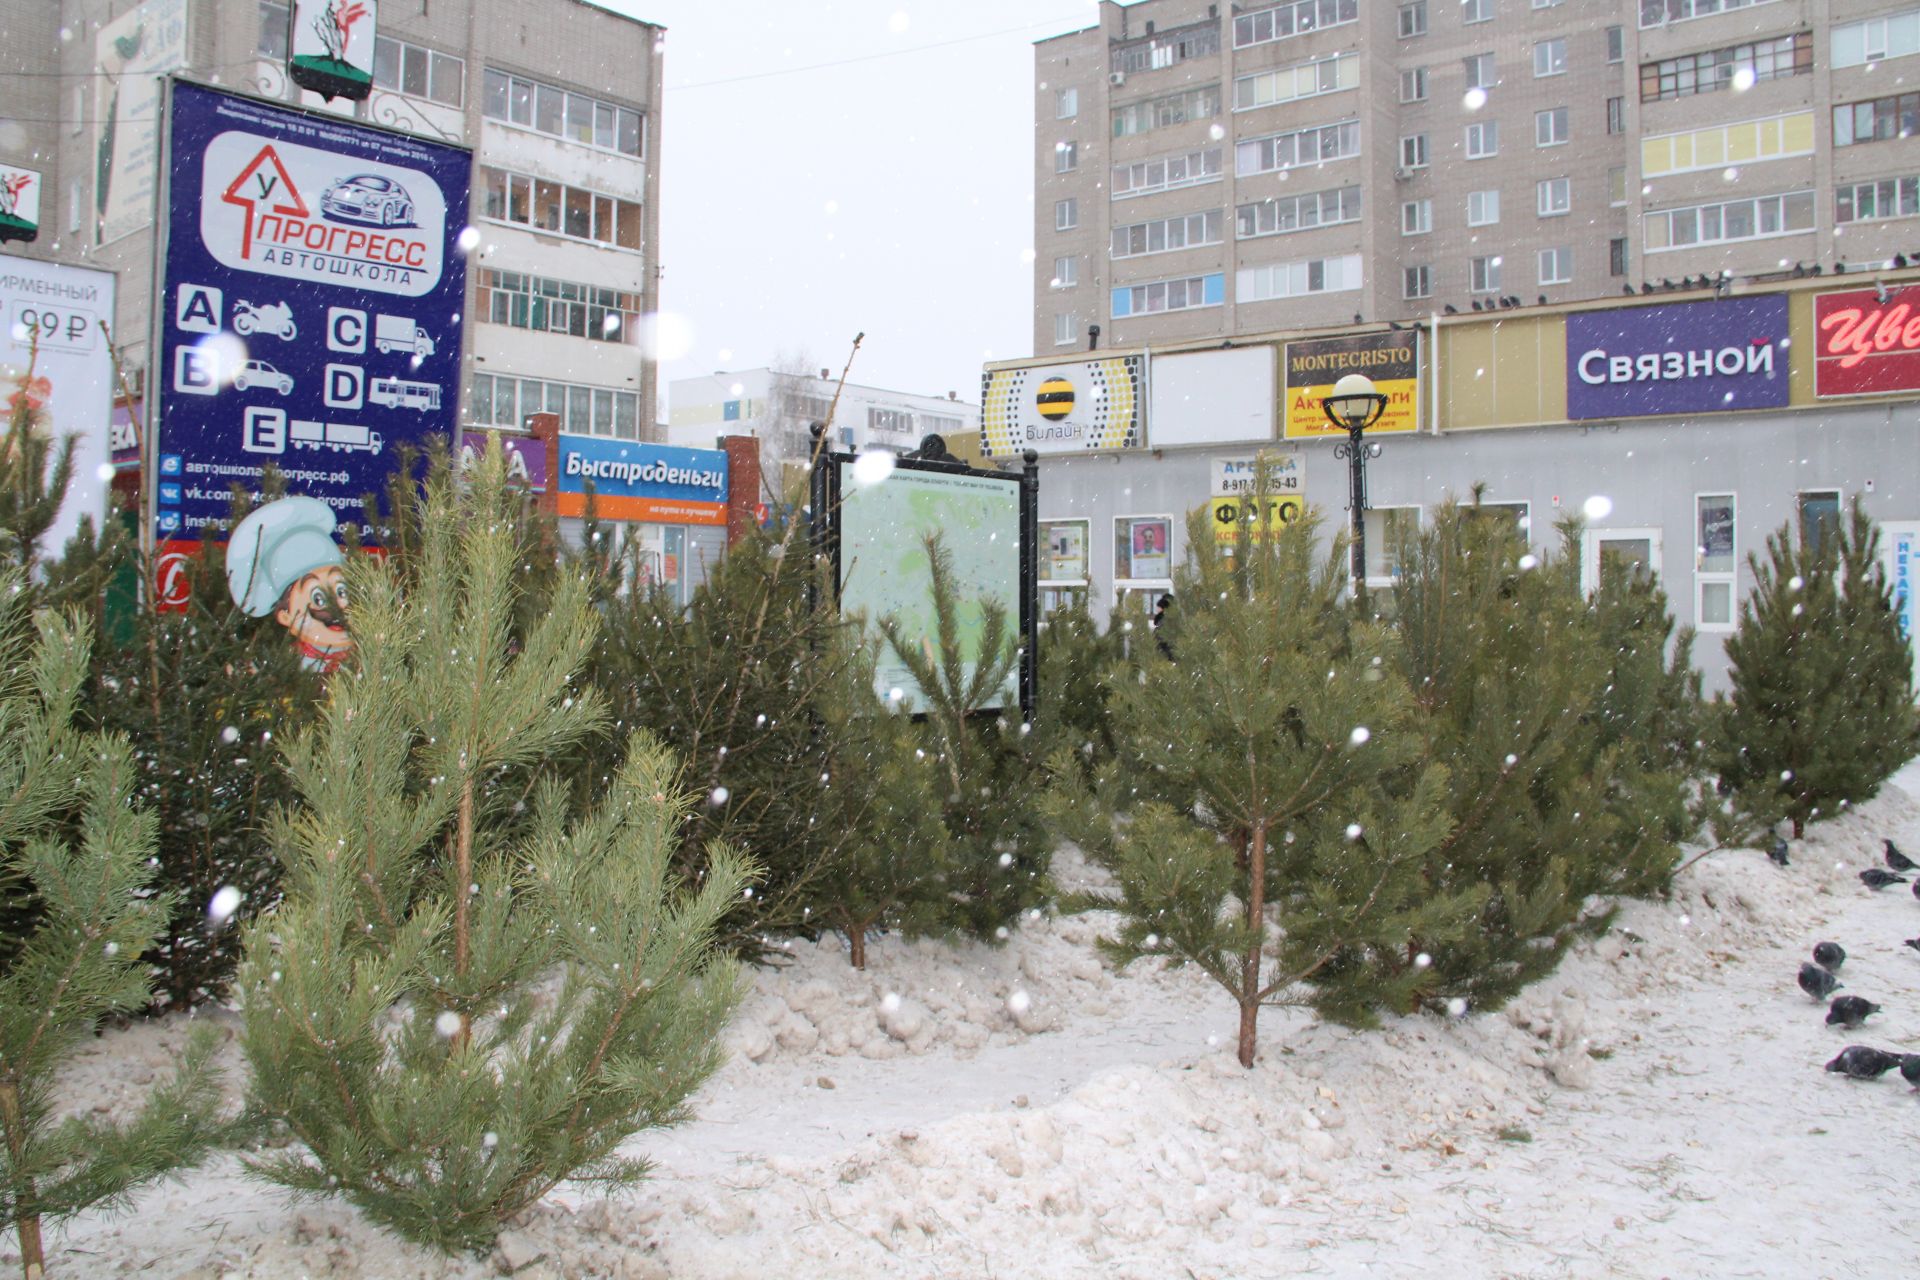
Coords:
648,483
311,306
1688,357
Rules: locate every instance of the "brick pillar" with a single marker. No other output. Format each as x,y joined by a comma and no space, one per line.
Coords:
743,485
545,427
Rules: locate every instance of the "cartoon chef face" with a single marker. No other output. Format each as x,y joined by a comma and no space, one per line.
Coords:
315,610
282,560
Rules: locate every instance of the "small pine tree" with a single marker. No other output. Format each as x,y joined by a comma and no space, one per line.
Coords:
69,830
35,470
1821,708
1081,664
456,1007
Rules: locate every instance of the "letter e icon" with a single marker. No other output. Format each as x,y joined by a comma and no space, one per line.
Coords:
264,430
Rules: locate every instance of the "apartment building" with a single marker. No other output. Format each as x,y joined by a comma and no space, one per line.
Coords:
1216,169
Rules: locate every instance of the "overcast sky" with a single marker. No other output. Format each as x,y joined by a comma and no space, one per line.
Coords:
828,169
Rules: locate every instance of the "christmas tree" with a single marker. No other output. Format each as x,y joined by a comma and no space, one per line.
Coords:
456,1007
68,831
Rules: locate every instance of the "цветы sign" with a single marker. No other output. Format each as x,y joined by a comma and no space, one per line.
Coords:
1863,346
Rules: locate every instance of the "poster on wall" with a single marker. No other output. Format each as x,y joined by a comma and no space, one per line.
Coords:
1143,548
1070,407
1286,474
1864,346
310,312
1063,551
1391,359
1260,520
130,54
332,47
1212,397
19,203
1687,357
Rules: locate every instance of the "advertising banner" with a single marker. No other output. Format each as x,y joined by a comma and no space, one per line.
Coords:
1230,513
123,435
19,203
130,55
52,316
1391,359
1212,397
332,47
1687,357
653,483
310,316
1863,346
1063,551
1286,475
1071,407
1143,548
526,455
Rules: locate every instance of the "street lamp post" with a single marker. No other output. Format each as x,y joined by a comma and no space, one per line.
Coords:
1354,406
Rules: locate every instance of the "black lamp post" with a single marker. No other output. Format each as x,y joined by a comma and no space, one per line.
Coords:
1353,407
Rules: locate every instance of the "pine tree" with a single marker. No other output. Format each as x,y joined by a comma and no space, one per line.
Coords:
1821,708
1081,664
1293,844
68,829
35,470
455,1007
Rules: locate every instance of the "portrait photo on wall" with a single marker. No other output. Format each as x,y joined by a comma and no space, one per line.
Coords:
1143,548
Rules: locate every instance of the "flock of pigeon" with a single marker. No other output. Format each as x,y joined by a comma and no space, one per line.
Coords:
1857,1061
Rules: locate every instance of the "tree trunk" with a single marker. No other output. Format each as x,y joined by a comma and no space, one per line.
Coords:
857,945
1256,914
1799,827
33,1257
462,901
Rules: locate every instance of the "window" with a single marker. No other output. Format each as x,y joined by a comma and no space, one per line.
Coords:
1163,113
1413,84
1893,35
1874,201
1617,256
1066,272
1755,218
273,30
1516,515
1550,57
1169,48
1616,44
1617,185
1545,4
524,301
1063,552
1483,274
1413,19
504,401
1066,104
1819,516
1655,12
1413,151
1472,11
1386,527
1616,115
1550,127
1416,217
1416,282
1714,565
1064,330
1483,139
1291,84
559,210
1188,293
1881,120
1483,208
1606,553
892,422
1749,142
1480,70
1556,266
1297,279
1165,173
1066,214
1066,157
1143,550
1163,235
417,72
1285,20
1282,151
1715,69
1278,215
1555,196
572,116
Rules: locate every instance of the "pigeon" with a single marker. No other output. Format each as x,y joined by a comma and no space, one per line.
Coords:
1829,956
1850,1011
1876,879
1817,982
1864,1062
1914,943
1778,850
1897,860
1910,1068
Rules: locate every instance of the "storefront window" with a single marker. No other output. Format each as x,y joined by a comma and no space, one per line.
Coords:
1143,549
1063,553
1714,562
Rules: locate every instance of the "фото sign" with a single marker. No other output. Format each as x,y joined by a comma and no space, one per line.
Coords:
332,47
1863,346
130,54
1070,407
310,314
19,203
1689,357
654,483
1392,360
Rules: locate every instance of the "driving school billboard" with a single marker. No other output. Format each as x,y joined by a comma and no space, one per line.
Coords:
1069,407
1391,359
310,312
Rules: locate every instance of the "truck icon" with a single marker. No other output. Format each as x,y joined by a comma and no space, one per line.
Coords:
337,436
398,393
400,333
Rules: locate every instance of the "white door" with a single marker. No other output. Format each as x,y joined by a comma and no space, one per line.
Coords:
1900,553
1638,549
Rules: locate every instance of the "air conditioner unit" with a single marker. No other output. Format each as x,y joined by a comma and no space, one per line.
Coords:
1116,78
1401,175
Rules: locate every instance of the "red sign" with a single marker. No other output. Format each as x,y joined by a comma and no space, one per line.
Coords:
171,582
1863,346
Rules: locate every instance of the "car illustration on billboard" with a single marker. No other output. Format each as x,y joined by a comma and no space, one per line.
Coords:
368,197
258,373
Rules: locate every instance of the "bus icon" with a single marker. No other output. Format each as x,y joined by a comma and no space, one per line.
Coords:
398,393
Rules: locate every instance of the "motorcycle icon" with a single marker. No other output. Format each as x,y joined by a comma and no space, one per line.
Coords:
273,318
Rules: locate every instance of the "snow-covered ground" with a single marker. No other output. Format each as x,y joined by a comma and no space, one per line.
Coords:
1657,1108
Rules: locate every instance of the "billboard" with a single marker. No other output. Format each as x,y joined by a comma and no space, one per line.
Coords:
1391,359
1863,346
53,317
19,203
1212,397
130,54
1071,407
310,312
651,483
1687,357
526,456
884,570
